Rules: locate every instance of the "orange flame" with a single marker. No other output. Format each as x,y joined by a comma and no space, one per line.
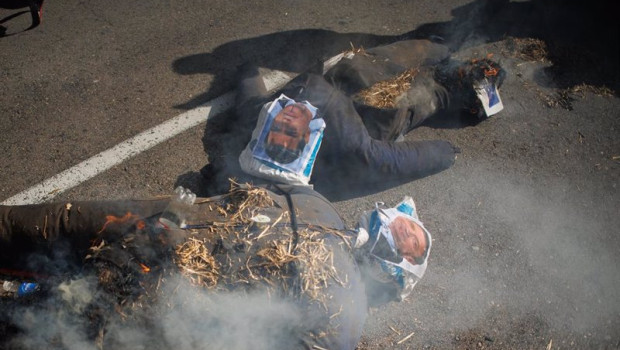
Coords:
111,219
145,269
491,72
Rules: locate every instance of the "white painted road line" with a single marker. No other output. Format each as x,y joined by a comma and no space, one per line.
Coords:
105,160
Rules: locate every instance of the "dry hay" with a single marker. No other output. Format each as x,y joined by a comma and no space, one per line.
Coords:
384,93
317,262
197,263
564,98
242,201
239,253
571,65
580,90
527,49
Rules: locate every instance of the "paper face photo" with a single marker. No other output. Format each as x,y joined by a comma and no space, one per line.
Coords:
400,240
409,239
489,97
285,142
289,134
397,241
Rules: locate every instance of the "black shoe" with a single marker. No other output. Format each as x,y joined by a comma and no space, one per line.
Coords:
36,10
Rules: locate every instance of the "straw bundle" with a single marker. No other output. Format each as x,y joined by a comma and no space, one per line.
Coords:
384,94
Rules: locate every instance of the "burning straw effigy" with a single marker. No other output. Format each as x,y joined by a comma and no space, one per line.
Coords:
236,250
137,273
242,248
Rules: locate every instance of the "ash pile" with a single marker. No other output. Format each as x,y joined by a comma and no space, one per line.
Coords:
240,273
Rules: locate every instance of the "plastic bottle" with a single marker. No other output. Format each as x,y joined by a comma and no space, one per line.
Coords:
27,288
179,210
17,289
9,288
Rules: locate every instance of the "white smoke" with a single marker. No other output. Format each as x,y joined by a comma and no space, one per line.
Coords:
77,293
550,253
243,321
184,317
46,325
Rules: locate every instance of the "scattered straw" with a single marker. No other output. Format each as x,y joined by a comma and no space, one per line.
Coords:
580,90
550,344
384,93
242,199
317,262
197,263
232,252
405,338
527,49
394,330
268,228
355,50
277,255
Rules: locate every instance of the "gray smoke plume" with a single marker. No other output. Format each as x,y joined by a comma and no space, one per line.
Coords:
571,250
254,321
185,317
55,323
515,247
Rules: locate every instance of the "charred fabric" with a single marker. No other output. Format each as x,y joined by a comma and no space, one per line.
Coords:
137,266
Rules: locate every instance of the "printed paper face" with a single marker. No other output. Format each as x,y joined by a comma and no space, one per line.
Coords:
399,240
489,97
289,135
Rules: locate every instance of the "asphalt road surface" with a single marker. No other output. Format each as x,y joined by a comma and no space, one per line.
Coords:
525,224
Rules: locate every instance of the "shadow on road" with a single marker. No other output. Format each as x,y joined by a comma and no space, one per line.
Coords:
290,51
588,27
34,9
